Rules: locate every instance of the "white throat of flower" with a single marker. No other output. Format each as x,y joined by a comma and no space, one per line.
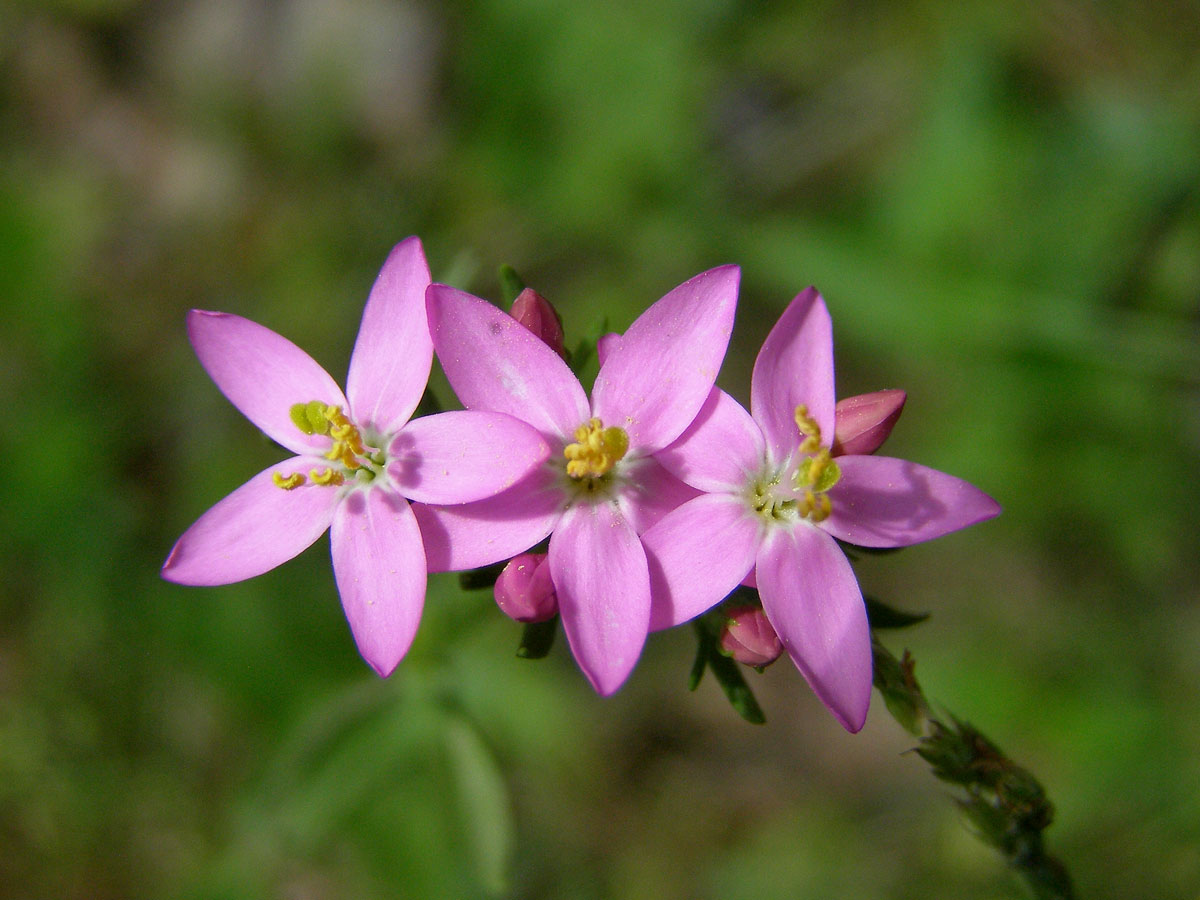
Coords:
805,495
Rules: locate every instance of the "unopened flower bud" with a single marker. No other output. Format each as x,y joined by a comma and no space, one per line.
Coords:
749,638
534,311
863,423
524,591
605,345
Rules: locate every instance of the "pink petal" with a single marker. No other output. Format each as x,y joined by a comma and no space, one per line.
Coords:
864,422
697,555
650,492
599,571
794,367
810,595
478,534
263,374
390,364
460,456
722,449
379,566
254,529
886,502
495,363
655,379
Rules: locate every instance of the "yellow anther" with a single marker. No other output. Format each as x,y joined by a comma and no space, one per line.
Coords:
325,476
817,473
287,482
809,428
815,507
596,449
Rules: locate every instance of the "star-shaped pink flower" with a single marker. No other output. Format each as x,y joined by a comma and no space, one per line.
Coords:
775,498
601,486
358,457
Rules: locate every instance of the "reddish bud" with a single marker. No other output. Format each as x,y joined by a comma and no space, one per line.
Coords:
749,638
524,591
605,345
864,422
534,311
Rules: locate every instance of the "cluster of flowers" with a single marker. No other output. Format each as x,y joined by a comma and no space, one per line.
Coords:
660,494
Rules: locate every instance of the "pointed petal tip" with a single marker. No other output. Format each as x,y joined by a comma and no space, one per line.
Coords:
608,682
852,718
384,667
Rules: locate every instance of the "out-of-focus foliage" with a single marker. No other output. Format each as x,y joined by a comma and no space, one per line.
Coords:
1001,204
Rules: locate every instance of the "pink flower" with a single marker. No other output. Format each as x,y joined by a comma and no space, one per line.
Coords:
601,486
775,500
358,456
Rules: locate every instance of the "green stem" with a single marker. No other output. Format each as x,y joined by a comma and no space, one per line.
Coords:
1004,803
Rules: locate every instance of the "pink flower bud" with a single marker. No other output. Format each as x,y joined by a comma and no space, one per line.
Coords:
605,345
534,311
864,422
524,591
749,638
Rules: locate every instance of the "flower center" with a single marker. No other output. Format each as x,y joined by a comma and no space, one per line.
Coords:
596,449
348,454
817,471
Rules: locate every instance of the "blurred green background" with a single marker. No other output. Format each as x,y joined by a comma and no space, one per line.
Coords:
1001,204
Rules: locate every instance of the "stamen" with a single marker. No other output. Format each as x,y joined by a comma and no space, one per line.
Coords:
287,482
809,428
816,474
326,476
596,449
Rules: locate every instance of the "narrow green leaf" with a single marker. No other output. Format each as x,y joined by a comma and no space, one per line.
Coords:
484,804
729,675
703,639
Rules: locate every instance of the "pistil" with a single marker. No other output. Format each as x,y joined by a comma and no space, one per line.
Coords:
348,450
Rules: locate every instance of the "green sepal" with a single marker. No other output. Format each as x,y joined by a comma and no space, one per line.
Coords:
880,615
485,577
511,284
537,639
